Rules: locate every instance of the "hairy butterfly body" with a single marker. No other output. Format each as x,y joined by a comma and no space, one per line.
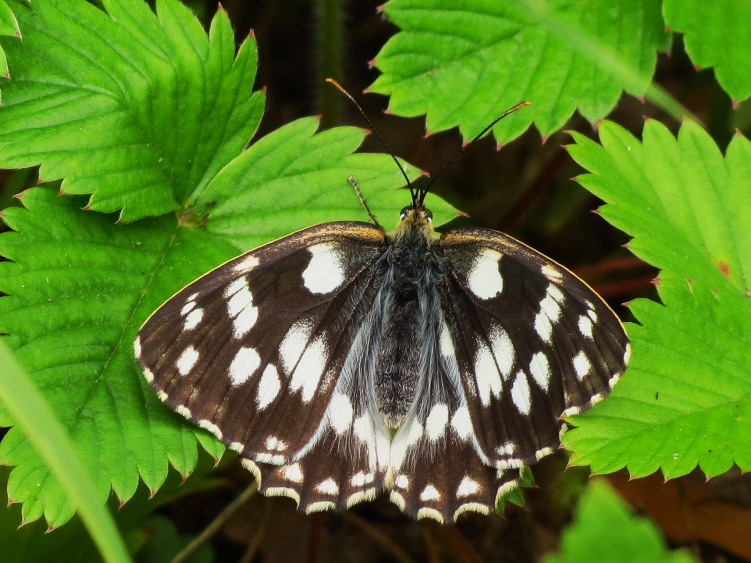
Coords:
342,361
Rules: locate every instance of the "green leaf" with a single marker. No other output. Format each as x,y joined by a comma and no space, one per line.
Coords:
119,109
717,35
464,64
8,27
49,439
685,398
605,529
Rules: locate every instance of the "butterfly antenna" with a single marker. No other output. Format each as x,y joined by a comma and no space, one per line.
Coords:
377,134
424,192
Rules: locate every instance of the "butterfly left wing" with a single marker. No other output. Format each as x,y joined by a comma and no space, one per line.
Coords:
533,342
253,350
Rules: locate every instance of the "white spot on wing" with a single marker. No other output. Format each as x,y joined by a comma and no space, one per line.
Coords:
520,393
292,473
591,313
484,277
503,350
551,273
556,294
430,493
435,424
183,410
192,320
237,447
148,375
187,360
309,369
293,345
506,449
268,387
137,347
211,427
275,444
245,364
461,423
402,482
187,308
324,272
486,373
467,487
328,487
340,413
585,326
543,327
431,513
246,265
240,307
581,365
539,367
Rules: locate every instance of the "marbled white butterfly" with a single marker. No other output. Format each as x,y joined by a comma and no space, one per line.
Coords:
342,361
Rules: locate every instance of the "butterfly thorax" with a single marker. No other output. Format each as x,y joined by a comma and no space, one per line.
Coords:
410,268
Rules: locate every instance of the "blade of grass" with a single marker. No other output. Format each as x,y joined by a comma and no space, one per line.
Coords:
34,416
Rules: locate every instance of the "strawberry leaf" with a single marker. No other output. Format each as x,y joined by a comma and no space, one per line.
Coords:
685,397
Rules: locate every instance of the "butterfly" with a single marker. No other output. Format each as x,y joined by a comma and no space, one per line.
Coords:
343,361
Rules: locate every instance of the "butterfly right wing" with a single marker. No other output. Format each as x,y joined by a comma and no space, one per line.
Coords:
533,343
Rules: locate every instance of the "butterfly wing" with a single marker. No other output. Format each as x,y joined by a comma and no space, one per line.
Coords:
252,352
532,341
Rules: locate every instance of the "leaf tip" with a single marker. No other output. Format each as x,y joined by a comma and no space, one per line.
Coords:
697,68
50,529
380,9
655,281
366,131
642,99
19,195
121,504
499,147
252,33
738,133
219,7
372,63
724,267
667,29
152,493
595,211
596,124
735,104
427,134
462,213
544,139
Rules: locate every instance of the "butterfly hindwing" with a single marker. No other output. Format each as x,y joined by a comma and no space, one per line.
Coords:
252,350
533,342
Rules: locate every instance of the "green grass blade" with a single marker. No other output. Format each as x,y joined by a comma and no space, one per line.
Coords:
34,416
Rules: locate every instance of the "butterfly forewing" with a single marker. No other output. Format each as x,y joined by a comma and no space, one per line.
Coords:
533,342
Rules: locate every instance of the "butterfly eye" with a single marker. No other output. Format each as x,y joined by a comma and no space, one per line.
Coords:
404,211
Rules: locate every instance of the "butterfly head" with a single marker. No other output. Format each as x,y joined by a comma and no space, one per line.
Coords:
416,218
